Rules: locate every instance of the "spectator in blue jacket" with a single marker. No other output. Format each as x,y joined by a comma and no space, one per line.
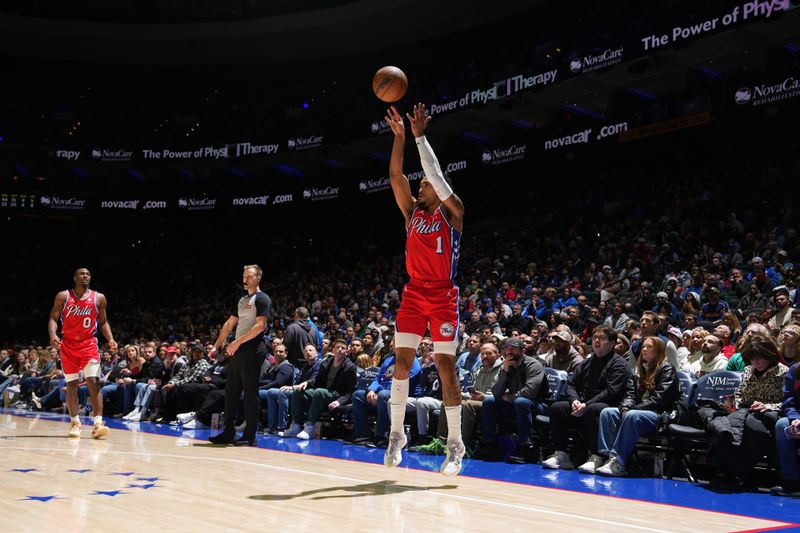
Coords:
376,400
279,375
787,435
470,361
308,372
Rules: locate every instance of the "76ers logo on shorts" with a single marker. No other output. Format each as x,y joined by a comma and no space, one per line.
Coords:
447,329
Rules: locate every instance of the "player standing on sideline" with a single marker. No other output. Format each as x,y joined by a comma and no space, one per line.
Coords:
81,311
430,299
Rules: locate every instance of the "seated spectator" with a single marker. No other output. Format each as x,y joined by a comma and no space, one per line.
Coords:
126,383
787,435
713,359
470,361
597,383
695,348
723,333
515,321
330,388
194,394
753,301
176,396
714,308
280,374
782,312
741,437
563,356
430,401
363,362
676,336
651,390
278,398
623,348
788,340
651,326
519,392
732,321
171,366
617,319
736,363
471,402
146,385
376,400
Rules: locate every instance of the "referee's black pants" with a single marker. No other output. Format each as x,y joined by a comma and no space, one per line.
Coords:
243,373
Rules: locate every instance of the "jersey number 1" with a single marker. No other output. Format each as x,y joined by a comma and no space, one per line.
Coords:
439,245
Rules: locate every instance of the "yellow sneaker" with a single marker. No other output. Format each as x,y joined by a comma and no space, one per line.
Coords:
75,430
99,431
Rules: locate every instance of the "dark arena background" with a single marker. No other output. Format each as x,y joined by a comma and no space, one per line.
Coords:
624,164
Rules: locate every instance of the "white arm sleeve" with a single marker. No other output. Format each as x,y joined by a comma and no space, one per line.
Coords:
430,165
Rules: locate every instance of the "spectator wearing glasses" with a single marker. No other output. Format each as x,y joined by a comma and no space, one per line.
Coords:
597,383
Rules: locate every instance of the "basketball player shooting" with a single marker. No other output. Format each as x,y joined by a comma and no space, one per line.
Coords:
430,299
81,311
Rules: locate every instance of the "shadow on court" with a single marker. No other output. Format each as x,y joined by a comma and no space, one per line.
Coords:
378,488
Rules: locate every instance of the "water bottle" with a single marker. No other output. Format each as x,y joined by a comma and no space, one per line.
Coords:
658,464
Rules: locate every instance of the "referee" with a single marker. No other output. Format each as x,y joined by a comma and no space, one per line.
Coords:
247,352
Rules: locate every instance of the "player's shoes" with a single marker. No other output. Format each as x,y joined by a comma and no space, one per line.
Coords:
75,430
452,462
394,450
99,431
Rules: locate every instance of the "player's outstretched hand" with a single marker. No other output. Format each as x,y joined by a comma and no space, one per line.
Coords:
419,121
395,121
112,345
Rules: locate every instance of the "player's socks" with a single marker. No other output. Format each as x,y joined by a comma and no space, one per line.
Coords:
75,420
453,423
397,404
98,420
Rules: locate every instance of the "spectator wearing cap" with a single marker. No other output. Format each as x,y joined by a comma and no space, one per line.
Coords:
623,348
759,269
176,397
171,365
714,308
519,391
609,284
598,382
676,336
617,319
782,312
664,305
563,355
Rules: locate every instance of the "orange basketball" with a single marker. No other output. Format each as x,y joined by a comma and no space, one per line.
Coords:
389,84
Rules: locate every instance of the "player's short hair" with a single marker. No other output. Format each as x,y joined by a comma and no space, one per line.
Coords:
256,268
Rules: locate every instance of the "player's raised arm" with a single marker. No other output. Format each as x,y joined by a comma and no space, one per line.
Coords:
454,208
400,186
55,313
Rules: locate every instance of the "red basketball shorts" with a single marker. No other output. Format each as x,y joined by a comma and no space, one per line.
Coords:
429,305
75,355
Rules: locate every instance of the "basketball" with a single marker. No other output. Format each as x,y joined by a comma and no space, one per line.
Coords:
390,84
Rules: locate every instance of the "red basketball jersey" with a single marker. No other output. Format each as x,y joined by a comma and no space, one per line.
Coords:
432,246
79,317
